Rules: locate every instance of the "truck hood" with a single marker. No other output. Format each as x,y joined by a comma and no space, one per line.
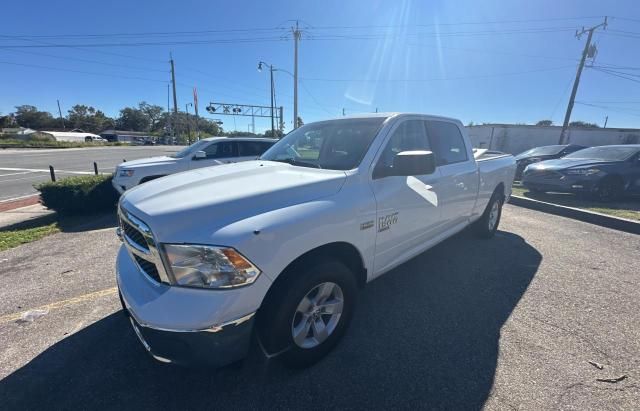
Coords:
151,161
214,197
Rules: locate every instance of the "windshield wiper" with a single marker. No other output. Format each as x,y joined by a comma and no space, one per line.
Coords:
295,162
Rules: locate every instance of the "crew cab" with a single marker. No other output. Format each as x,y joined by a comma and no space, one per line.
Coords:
278,247
203,153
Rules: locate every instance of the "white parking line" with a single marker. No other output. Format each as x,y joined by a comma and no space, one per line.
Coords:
15,174
44,170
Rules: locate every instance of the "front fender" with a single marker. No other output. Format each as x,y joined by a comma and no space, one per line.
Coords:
274,239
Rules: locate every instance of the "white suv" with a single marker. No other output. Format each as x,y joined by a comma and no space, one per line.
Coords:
204,153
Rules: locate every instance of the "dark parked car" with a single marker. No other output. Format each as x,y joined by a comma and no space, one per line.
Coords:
606,172
537,154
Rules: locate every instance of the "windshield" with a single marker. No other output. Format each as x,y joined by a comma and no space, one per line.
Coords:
614,153
541,151
333,144
187,151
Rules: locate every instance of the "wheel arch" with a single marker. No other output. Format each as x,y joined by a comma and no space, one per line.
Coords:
343,251
149,178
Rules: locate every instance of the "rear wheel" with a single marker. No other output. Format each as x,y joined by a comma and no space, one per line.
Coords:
608,189
487,225
310,313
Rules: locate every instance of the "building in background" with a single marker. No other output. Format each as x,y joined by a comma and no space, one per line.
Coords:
127,136
515,138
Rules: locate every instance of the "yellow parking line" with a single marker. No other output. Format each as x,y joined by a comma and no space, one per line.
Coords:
61,304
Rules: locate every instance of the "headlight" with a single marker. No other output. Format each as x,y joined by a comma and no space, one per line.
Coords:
126,173
209,266
583,171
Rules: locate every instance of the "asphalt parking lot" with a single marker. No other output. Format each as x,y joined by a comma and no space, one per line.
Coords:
20,169
505,323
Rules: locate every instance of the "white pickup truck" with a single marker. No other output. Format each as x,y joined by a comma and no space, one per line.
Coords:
281,245
203,153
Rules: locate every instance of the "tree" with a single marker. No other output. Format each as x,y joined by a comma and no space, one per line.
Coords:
583,124
277,134
133,119
153,113
7,121
544,123
300,122
88,119
30,117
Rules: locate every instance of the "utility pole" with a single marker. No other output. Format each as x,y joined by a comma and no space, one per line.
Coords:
60,113
606,120
281,122
169,128
296,37
585,53
175,99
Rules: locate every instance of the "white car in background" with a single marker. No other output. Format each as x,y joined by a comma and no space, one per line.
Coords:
204,153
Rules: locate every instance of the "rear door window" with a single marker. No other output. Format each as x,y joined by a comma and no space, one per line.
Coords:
251,148
222,150
447,142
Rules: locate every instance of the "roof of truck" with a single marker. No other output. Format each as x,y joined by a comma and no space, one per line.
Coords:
398,114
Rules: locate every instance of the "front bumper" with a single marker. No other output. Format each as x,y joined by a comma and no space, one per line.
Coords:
186,325
215,347
561,183
118,185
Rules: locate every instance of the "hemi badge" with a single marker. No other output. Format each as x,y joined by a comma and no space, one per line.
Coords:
366,225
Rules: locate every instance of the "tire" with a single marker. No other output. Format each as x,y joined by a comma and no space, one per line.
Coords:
608,189
290,311
487,225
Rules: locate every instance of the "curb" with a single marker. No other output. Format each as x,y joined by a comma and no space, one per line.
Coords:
19,202
603,220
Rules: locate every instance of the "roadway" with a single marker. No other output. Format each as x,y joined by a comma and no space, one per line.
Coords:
20,169
504,323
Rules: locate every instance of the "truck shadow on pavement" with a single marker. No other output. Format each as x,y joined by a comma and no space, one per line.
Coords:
426,335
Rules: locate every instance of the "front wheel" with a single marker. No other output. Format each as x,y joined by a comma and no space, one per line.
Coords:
310,313
487,225
608,189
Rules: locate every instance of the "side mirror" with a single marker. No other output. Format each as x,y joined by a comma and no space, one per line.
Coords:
199,155
409,163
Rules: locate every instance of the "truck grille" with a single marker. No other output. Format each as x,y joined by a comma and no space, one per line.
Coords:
133,234
545,174
148,267
140,243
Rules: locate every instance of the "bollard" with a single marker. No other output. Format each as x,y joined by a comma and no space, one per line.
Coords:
95,167
53,174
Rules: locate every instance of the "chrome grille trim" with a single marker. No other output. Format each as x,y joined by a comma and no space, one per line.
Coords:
150,253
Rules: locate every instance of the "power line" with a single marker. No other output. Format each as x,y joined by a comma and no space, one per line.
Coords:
104,63
80,71
436,78
615,74
325,37
280,29
616,109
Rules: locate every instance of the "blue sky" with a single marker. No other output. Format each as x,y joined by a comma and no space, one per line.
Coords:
489,61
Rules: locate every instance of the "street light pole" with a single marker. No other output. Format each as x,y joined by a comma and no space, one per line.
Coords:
271,70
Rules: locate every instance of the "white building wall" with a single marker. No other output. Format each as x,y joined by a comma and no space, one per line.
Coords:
515,139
